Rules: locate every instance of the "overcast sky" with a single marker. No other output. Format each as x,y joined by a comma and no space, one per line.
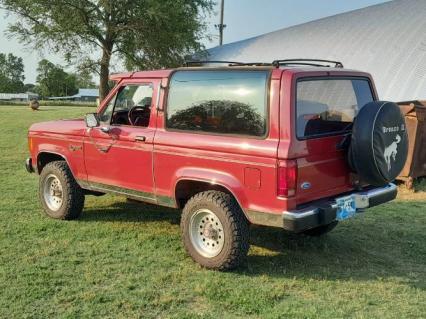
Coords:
244,19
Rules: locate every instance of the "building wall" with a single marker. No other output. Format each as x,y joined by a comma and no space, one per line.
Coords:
88,98
17,97
386,40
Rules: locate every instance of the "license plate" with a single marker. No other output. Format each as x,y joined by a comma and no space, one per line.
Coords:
346,207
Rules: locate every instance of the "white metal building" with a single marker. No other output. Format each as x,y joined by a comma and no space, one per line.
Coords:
18,96
83,95
387,40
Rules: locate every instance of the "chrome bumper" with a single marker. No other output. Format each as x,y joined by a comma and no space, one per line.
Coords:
29,165
322,213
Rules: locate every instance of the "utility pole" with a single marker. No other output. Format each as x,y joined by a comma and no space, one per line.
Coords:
221,26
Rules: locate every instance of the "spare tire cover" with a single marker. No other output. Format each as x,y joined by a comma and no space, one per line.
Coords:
379,143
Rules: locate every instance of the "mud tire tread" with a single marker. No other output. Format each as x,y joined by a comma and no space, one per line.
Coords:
233,219
73,201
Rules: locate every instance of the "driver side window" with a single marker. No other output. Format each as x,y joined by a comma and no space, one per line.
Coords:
131,106
105,116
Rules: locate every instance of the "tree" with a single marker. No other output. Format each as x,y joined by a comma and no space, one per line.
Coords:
29,87
84,80
143,34
11,73
54,81
230,117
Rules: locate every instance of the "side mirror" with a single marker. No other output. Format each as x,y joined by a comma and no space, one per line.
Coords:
92,120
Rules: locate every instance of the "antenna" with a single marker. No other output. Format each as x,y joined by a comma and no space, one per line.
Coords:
221,26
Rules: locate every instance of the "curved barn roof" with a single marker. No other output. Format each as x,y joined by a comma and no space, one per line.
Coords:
387,40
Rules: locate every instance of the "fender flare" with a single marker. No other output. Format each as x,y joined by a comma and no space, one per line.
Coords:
213,177
43,151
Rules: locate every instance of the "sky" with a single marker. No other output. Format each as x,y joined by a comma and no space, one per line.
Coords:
244,19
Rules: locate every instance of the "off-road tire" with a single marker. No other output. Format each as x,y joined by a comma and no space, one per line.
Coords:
72,194
321,230
379,143
235,229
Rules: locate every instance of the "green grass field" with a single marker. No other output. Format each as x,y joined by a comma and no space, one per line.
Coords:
125,260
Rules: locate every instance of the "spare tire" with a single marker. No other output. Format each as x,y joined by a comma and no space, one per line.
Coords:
379,143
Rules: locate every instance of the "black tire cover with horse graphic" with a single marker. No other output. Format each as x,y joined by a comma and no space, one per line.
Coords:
379,143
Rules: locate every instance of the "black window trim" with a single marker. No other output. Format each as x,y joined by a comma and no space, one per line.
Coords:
319,78
267,106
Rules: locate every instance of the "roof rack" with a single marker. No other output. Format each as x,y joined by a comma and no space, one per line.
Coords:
310,62
230,63
196,63
275,63
256,64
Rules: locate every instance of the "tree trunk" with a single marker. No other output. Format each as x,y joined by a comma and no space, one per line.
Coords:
104,72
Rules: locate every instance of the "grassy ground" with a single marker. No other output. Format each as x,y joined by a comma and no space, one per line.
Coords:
126,260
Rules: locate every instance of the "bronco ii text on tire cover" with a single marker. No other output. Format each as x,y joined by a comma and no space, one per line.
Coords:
295,144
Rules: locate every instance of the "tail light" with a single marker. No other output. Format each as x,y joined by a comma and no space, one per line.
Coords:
287,178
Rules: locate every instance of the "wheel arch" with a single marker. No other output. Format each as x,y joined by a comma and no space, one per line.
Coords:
194,181
45,157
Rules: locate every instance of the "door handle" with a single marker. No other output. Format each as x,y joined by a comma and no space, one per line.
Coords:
140,138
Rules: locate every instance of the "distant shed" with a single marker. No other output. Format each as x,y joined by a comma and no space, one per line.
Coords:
83,95
28,96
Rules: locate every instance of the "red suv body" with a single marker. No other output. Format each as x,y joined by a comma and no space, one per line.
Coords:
165,136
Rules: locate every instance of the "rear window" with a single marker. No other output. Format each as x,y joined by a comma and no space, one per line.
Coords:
220,102
329,106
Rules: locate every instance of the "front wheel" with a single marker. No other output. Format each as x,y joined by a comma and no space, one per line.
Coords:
60,195
215,231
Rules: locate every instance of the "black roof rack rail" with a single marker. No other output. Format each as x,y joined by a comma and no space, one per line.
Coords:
275,63
229,63
256,64
310,62
196,63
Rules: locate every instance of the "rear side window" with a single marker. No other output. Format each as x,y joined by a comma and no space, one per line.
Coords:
221,102
329,106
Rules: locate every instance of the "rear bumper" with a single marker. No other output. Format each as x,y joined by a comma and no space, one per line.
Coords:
324,212
29,165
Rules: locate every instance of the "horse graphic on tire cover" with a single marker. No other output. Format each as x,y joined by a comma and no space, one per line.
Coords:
391,151
379,143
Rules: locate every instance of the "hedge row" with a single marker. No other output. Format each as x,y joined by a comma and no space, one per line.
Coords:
51,103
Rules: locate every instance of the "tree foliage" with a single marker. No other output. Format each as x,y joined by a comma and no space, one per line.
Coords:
143,34
29,87
84,79
52,80
219,116
11,74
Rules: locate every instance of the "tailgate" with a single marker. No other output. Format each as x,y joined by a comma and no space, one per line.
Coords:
325,109
324,172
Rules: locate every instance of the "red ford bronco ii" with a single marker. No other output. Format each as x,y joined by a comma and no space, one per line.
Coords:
295,144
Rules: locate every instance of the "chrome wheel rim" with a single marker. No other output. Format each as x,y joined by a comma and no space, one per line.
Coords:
206,233
52,192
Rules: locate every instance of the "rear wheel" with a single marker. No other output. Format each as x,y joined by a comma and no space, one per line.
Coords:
321,230
215,231
60,195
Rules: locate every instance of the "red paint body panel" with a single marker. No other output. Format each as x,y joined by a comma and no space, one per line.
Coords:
117,158
125,162
247,167
319,161
58,137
